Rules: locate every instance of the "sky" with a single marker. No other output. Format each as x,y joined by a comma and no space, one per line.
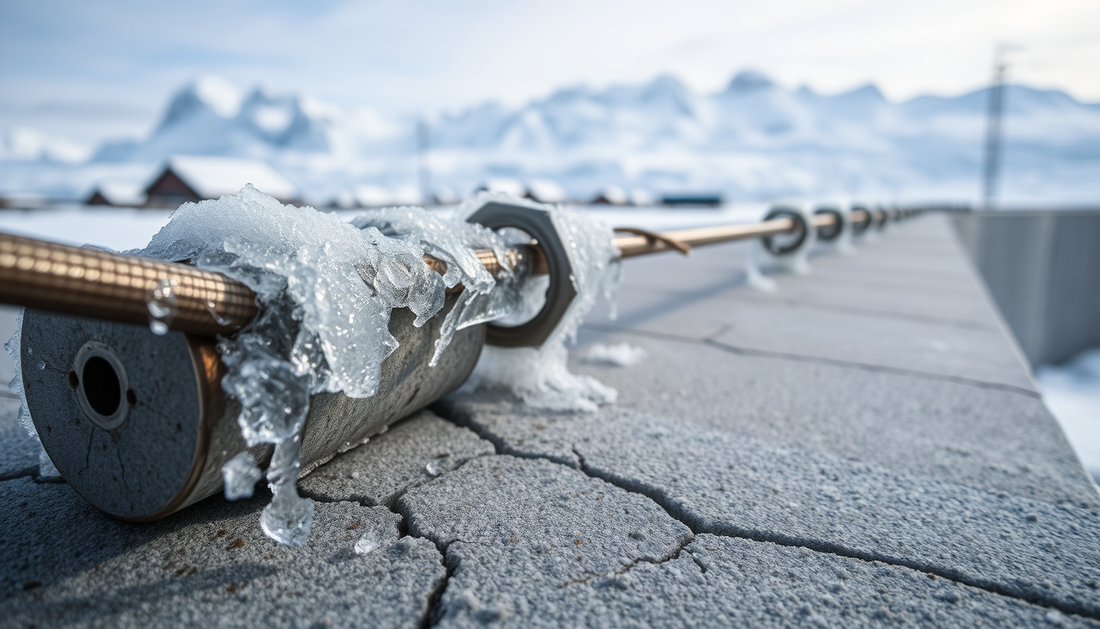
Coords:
91,70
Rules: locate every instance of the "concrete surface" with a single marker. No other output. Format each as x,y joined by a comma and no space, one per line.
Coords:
1043,271
862,447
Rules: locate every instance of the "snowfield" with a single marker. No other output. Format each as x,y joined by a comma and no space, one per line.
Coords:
753,140
1072,393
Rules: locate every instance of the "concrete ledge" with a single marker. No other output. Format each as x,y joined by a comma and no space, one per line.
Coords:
861,447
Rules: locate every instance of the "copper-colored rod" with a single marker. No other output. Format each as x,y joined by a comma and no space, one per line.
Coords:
96,283
634,245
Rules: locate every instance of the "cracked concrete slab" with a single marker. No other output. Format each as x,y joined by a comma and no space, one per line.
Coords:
380,470
532,525
974,353
820,468
727,484
717,581
64,563
1008,441
566,524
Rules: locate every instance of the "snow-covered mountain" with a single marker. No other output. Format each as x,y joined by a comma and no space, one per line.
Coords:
753,139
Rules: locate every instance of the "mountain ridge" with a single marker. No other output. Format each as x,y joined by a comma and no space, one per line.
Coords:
753,138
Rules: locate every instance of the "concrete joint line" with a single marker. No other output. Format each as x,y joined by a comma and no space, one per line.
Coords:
832,362
911,373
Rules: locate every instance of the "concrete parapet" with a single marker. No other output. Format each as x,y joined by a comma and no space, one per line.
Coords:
1043,270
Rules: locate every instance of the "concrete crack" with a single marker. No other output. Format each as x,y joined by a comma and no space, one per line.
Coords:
832,362
698,526
675,554
31,471
912,373
433,613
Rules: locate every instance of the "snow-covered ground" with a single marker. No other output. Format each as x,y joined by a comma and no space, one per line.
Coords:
755,139
1072,393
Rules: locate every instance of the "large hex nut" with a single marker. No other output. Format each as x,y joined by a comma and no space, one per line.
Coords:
561,293
802,230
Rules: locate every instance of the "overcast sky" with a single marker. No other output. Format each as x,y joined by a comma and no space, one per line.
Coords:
94,69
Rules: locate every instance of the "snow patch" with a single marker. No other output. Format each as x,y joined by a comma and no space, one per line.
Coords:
621,355
539,375
1072,393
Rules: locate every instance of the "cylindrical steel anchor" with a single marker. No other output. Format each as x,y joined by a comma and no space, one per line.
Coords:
139,426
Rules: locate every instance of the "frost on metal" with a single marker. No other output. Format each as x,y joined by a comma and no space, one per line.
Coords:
326,290
162,306
797,262
46,468
539,376
452,242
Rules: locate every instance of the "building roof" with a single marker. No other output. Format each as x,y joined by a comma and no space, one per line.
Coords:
545,191
119,194
613,195
505,185
213,177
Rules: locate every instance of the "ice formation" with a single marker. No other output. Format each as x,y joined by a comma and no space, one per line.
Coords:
46,469
436,466
797,261
539,376
162,306
452,242
326,289
621,355
240,475
367,543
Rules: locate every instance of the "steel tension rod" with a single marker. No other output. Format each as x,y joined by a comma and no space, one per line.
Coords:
95,283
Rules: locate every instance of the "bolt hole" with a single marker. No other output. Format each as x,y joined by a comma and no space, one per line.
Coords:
74,382
101,386
131,397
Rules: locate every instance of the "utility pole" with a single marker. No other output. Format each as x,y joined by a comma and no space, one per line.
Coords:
992,164
423,174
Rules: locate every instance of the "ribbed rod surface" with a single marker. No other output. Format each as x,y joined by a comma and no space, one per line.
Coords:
95,283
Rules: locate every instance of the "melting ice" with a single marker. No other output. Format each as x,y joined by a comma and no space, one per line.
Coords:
46,468
539,376
325,289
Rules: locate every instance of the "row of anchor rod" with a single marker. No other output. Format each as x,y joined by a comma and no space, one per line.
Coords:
91,282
